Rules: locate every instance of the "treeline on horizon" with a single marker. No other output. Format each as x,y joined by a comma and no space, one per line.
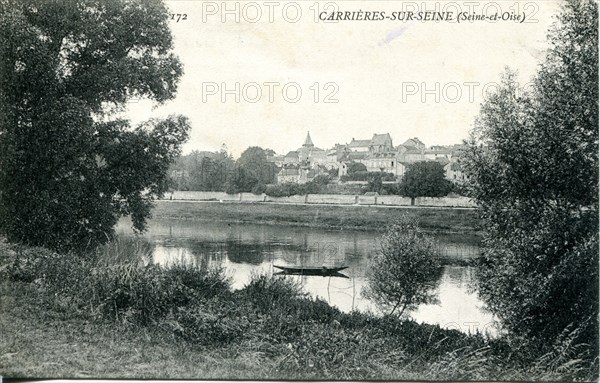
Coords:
252,172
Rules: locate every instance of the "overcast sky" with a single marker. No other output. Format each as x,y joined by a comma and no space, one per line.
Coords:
378,70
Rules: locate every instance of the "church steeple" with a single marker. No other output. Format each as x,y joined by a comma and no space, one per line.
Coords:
308,142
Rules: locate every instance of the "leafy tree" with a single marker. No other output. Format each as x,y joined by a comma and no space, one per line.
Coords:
391,189
68,168
405,272
259,188
375,182
533,163
238,180
355,167
309,188
333,172
252,168
425,179
202,171
367,176
322,180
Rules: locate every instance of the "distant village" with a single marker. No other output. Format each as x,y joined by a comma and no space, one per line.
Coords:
378,154
344,168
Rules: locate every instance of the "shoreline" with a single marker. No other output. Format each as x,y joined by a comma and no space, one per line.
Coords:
446,220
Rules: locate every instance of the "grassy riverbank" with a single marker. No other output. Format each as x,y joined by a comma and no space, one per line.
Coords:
111,315
324,216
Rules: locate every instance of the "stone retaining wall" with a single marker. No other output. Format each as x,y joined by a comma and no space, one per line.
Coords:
334,199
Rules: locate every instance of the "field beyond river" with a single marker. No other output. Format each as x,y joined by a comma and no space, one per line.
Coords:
357,217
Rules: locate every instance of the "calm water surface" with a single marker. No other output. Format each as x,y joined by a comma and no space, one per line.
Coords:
248,249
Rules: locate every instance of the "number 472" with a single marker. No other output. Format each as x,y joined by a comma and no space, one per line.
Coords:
178,16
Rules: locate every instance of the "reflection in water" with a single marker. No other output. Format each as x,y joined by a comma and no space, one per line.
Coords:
245,250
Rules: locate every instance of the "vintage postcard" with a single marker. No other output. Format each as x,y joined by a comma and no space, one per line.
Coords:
299,190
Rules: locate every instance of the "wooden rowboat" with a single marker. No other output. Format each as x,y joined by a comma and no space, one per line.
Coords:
311,270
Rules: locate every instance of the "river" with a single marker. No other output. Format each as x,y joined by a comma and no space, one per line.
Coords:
247,249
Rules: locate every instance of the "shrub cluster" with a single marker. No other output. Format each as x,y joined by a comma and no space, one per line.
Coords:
117,283
304,337
291,188
366,176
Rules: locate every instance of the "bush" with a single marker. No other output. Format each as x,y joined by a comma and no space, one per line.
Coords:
267,292
259,189
391,189
282,190
118,281
405,272
322,180
137,295
289,189
30,264
204,282
210,322
145,294
368,176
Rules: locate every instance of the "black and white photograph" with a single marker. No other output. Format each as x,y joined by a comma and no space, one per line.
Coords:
299,190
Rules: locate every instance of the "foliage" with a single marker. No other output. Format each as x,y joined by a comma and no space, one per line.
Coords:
269,292
283,190
322,180
291,188
28,263
118,282
405,272
533,163
268,328
217,171
391,189
252,168
259,189
354,167
201,171
367,176
213,322
425,179
375,183
68,168
333,172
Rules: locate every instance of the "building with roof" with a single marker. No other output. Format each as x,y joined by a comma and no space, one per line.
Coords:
414,142
307,154
299,174
455,173
333,158
289,173
349,157
378,155
276,159
386,162
381,143
359,146
410,154
438,151
291,158
303,164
